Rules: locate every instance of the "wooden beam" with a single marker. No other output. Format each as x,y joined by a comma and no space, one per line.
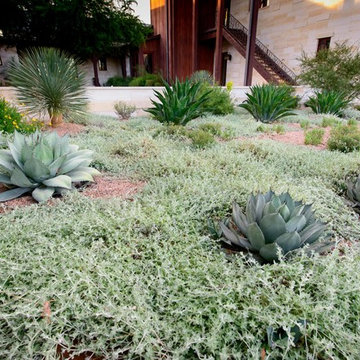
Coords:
195,8
169,40
220,18
251,41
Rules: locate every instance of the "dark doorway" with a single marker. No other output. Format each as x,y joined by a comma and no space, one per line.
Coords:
225,58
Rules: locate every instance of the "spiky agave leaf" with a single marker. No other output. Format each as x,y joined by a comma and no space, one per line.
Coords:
47,80
328,102
353,192
43,164
273,225
178,104
268,103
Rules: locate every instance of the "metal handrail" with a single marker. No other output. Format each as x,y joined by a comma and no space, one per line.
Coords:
234,24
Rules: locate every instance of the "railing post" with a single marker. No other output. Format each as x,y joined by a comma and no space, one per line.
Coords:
251,42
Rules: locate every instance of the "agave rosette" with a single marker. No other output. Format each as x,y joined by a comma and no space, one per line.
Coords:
43,164
353,192
272,225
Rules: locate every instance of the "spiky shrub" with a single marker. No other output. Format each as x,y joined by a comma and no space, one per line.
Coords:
179,103
314,137
49,81
353,192
328,102
43,164
268,103
272,225
202,76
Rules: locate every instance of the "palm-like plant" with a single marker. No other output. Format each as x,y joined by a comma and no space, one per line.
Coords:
328,102
43,164
49,81
268,103
178,104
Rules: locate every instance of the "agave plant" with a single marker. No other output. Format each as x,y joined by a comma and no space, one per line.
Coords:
268,103
49,81
328,102
43,164
178,104
353,192
272,225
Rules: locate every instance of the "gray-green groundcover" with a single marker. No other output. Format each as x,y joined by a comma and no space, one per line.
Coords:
141,279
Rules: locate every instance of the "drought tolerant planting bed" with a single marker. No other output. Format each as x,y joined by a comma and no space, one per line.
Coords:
141,278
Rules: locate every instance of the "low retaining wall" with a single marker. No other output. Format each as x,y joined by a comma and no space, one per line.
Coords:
102,99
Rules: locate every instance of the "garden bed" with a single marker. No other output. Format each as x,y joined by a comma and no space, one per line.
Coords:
144,279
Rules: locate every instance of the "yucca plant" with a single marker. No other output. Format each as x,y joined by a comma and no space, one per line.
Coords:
328,102
353,192
273,225
43,164
179,103
268,103
49,81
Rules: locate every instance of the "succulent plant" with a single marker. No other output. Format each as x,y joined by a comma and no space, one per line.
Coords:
43,164
353,192
272,225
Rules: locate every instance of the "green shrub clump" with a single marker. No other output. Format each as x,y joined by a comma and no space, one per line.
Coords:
178,104
268,103
43,164
330,122
219,101
118,81
314,137
147,80
305,124
327,102
12,120
336,69
272,226
344,138
279,129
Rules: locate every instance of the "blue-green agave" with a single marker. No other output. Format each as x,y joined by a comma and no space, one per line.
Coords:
273,225
353,192
43,164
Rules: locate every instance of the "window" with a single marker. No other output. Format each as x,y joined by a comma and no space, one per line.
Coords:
102,64
264,3
323,43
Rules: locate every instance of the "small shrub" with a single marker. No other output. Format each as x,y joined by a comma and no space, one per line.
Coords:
335,69
305,124
267,103
203,77
12,120
272,226
219,101
124,110
212,128
201,138
279,129
352,122
147,80
43,164
178,104
314,137
173,130
229,86
344,138
329,121
118,81
328,102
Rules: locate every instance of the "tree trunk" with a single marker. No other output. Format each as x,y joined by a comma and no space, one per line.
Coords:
56,120
96,71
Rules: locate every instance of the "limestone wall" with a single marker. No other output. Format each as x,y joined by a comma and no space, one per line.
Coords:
288,27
